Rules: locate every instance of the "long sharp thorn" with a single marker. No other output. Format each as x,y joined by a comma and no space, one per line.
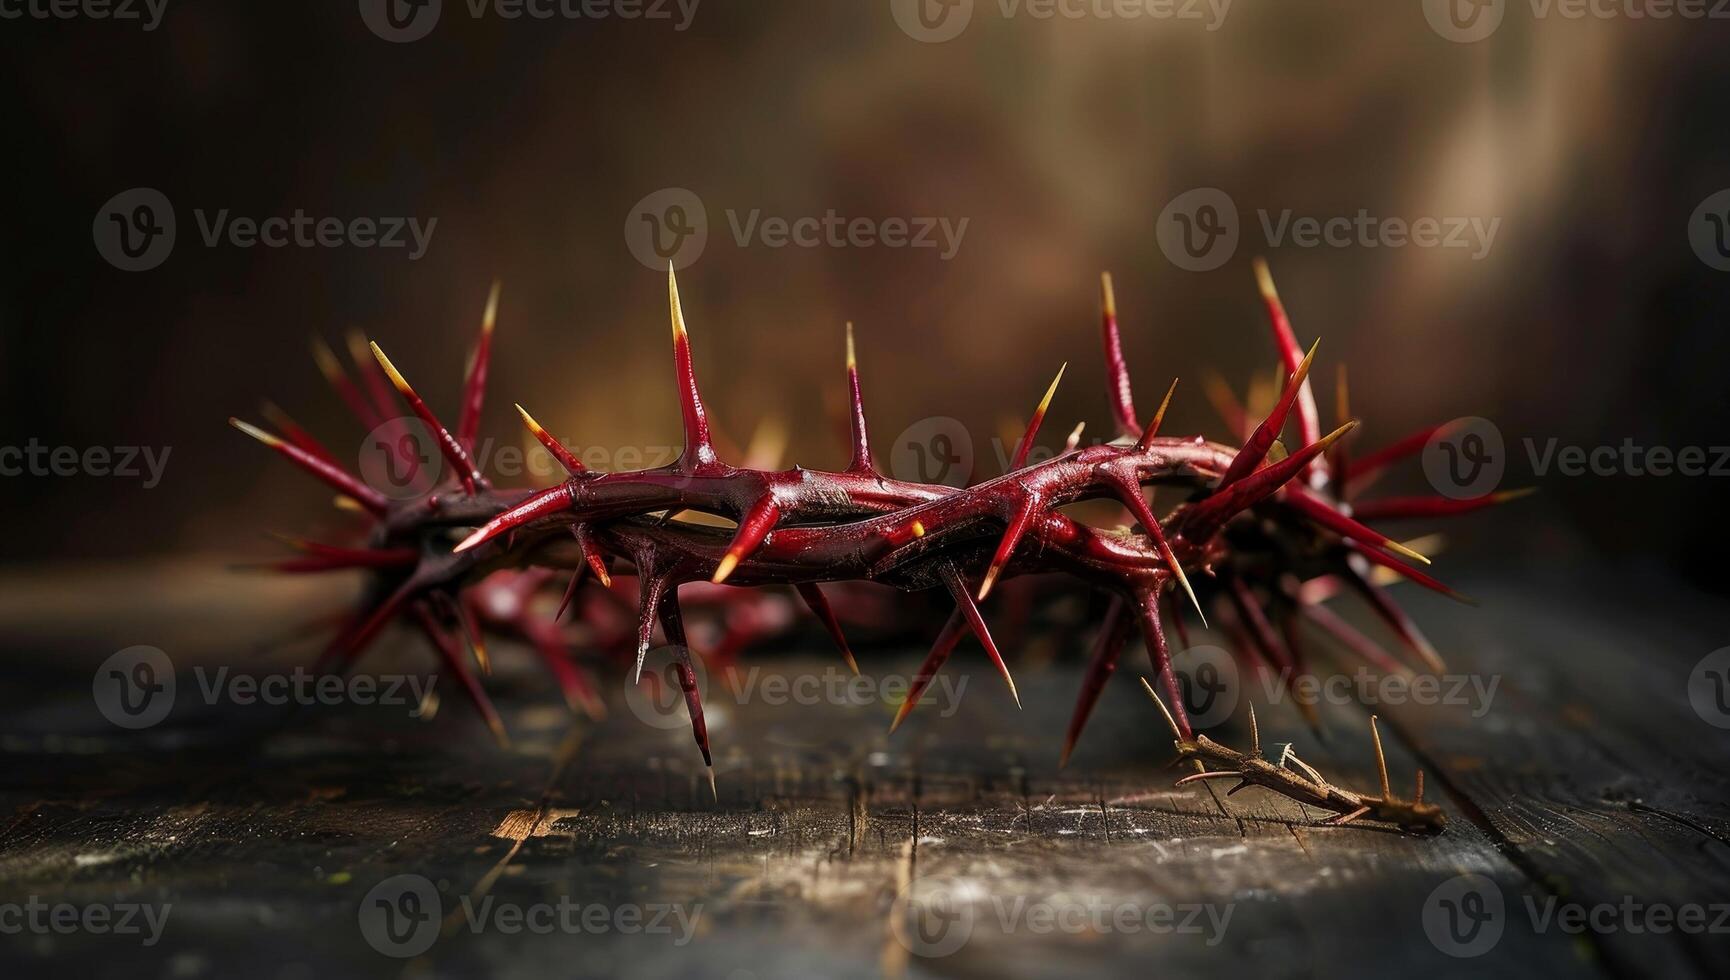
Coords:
1372,463
753,528
334,476
1418,791
1130,493
820,607
1012,535
861,462
1116,370
1208,515
376,384
543,504
1026,445
958,589
699,446
1309,420
673,624
652,589
1349,637
1176,733
1395,618
1152,430
1254,734
1381,759
475,388
1323,513
944,645
1396,508
1160,656
453,451
1256,448
566,458
1408,572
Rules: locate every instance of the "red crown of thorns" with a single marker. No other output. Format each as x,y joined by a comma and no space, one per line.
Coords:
1264,534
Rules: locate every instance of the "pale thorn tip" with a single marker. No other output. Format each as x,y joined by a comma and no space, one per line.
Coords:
470,541
529,420
1409,553
852,360
396,377
255,432
1264,280
1107,295
918,529
714,793
985,590
1045,402
673,300
1074,436
490,319
729,561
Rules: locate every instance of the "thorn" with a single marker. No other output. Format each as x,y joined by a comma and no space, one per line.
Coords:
570,593
714,793
550,501
852,359
754,527
257,433
1074,439
1116,370
1418,793
1130,493
566,458
1254,734
333,475
1169,720
699,448
1011,537
945,643
1147,437
475,387
964,601
1026,446
819,605
453,451
1255,449
861,462
1381,760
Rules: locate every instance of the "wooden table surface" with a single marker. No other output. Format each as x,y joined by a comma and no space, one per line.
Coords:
1587,780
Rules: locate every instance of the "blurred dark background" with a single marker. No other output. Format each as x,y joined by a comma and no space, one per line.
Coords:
1591,319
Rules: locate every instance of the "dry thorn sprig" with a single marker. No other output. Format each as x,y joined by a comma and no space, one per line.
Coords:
1306,785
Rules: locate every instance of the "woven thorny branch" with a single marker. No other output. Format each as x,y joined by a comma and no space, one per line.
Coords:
1261,535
